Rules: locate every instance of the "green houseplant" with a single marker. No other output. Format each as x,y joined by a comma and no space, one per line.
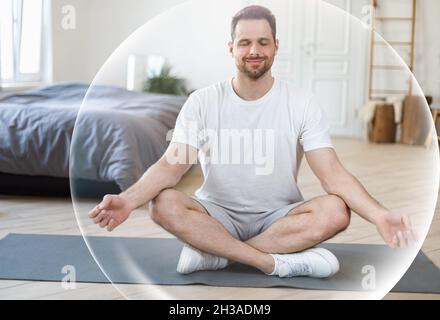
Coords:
165,82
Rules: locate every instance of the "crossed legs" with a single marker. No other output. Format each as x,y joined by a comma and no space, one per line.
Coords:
304,226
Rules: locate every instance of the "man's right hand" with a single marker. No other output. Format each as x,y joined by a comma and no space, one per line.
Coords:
111,212
115,209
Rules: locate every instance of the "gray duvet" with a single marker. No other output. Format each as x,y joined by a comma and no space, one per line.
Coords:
118,133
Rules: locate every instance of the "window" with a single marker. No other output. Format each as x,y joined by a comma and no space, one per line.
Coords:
22,41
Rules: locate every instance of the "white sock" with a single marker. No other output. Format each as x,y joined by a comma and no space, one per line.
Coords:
275,269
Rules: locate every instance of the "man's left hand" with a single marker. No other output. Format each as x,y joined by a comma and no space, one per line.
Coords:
396,230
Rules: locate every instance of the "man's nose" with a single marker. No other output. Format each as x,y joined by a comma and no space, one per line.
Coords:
254,49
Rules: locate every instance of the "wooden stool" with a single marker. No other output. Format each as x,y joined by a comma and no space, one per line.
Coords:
383,127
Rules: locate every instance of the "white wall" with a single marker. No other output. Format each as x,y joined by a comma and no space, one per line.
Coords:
69,47
103,24
112,21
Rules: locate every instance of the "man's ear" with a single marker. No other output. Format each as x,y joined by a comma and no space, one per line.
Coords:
231,47
277,45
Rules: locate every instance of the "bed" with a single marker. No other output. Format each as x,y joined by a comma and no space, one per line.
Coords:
118,135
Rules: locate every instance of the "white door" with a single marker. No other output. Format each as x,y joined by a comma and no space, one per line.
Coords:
334,60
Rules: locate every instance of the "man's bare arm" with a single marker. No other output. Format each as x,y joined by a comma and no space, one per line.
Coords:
163,174
335,179
113,210
395,228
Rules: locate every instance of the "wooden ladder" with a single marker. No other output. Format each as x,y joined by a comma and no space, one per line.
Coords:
413,130
374,93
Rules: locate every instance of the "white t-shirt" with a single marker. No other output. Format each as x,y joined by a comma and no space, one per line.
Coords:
250,151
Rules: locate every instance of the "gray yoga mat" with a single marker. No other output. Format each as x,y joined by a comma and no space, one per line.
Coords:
45,257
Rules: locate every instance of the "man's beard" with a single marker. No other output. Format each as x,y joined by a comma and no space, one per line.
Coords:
255,74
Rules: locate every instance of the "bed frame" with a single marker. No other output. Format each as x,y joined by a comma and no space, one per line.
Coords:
23,185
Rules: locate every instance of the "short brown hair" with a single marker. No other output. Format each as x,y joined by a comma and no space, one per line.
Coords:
254,12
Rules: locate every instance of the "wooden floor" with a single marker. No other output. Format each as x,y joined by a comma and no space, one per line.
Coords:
399,176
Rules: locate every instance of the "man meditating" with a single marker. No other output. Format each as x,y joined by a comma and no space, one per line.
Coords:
249,209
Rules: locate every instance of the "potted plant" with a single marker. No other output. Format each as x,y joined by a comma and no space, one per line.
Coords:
165,82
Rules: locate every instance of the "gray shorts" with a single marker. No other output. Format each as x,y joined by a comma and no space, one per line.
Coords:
245,225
